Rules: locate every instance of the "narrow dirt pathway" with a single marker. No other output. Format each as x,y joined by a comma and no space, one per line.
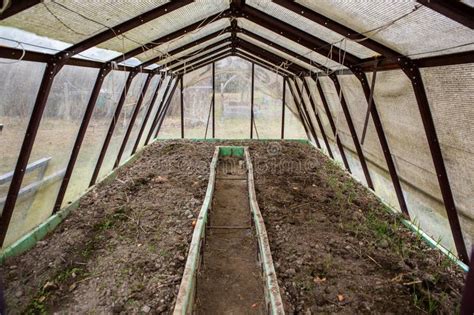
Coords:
230,280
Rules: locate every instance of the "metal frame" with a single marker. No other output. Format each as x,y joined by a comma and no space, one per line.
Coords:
306,113
293,94
132,119
383,142
353,132
112,125
389,59
166,106
320,124
339,144
413,73
160,110
148,113
80,137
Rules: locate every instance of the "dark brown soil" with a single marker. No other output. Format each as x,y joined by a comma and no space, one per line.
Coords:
335,248
124,248
230,280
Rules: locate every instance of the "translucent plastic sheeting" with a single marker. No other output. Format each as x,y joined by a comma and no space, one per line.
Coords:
102,115
171,126
418,32
208,28
194,51
406,137
293,125
198,103
312,115
324,120
288,58
56,135
207,54
278,69
122,123
19,84
267,104
166,24
371,148
153,113
139,120
304,24
233,92
74,21
449,91
285,42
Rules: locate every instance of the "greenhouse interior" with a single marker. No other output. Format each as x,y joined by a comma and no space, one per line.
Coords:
236,157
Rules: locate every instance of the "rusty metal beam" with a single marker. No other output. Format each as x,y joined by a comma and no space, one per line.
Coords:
190,58
303,122
132,119
262,63
269,56
15,7
353,132
80,137
122,28
203,63
167,105
306,114
320,124
453,9
297,35
172,36
148,113
160,110
112,125
24,155
383,143
332,124
336,27
283,49
186,47
413,73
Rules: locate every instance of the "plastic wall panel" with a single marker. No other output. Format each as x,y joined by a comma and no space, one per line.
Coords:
104,109
198,103
139,120
267,104
121,126
357,103
171,126
19,84
312,115
293,126
146,131
56,135
333,98
406,137
233,92
450,90
324,120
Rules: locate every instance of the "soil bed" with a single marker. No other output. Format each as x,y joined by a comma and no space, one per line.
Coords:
335,249
124,248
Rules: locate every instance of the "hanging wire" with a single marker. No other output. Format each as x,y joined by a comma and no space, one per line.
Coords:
23,53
